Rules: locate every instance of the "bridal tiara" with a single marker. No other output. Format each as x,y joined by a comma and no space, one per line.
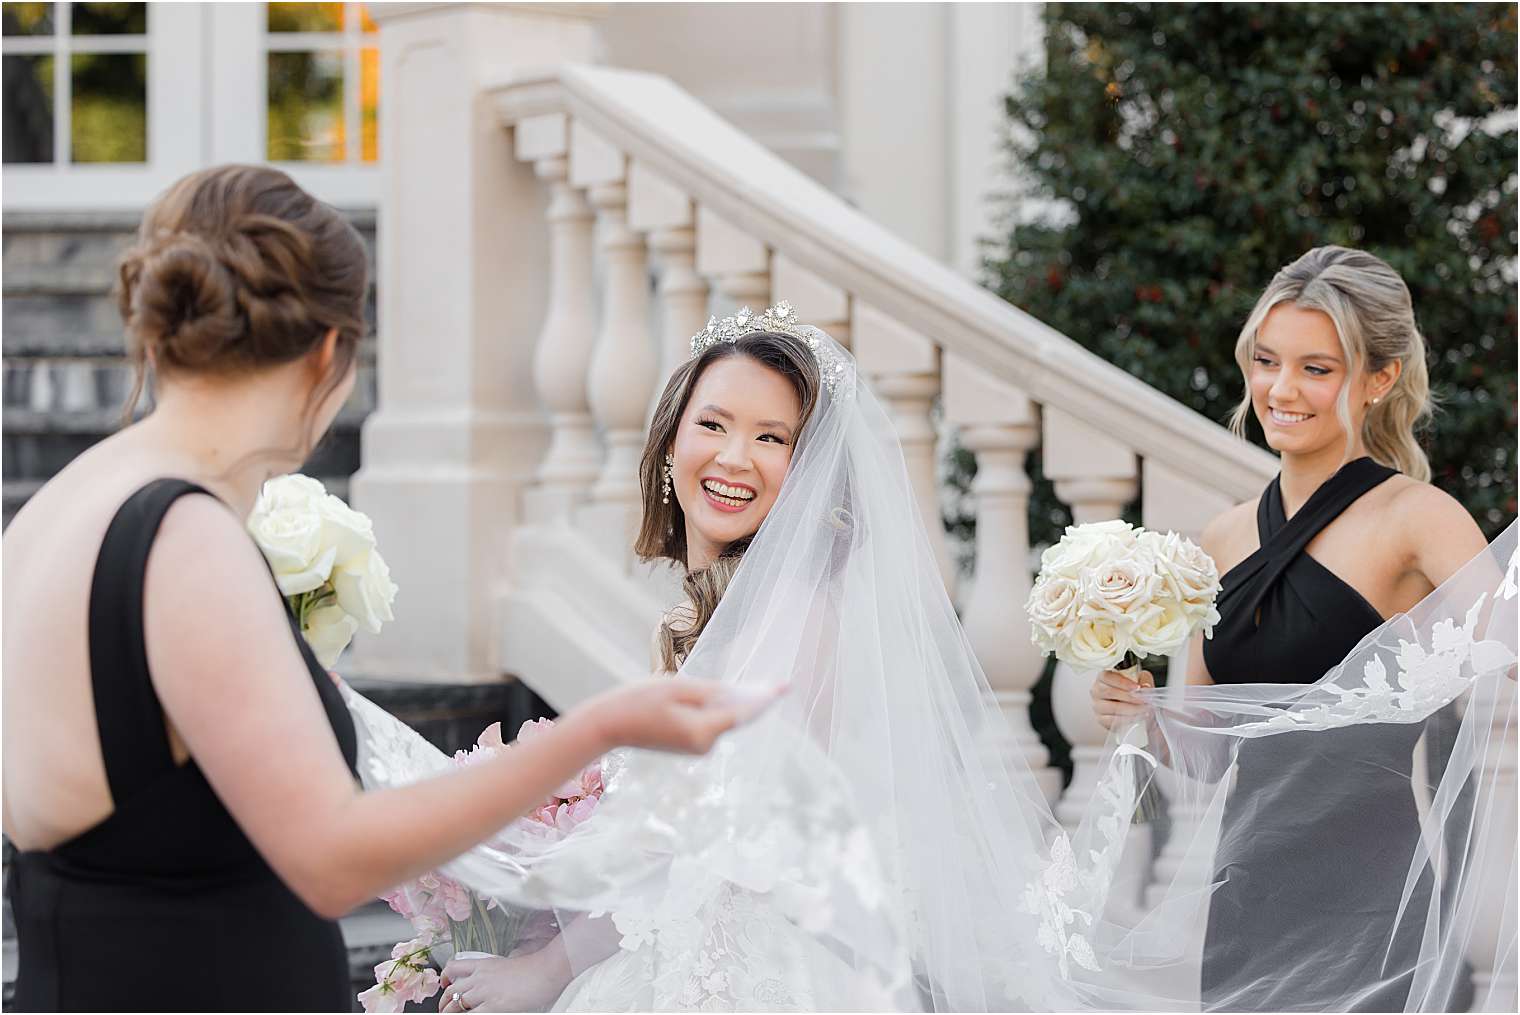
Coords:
780,319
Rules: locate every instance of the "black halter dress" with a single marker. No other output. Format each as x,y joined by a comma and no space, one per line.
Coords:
165,905
1286,845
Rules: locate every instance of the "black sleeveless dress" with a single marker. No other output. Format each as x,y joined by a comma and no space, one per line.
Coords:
1287,847
165,905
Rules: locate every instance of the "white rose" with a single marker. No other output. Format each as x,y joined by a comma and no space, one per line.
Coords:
1202,617
1052,606
1189,573
348,531
1164,630
328,631
1087,546
1119,587
291,540
292,491
366,592
1095,644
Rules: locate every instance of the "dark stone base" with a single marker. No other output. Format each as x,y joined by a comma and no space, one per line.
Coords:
451,716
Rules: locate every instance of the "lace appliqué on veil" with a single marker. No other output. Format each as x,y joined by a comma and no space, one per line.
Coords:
1068,895
1428,679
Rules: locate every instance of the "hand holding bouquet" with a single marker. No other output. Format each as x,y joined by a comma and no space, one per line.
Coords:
439,906
1108,595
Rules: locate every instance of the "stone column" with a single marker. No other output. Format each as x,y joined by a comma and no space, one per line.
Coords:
563,358
738,263
1000,425
463,280
624,361
666,215
904,368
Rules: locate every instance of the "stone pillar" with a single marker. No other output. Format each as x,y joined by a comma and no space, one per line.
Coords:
563,356
1495,989
1000,425
904,367
1170,502
738,263
624,360
666,215
463,279
824,306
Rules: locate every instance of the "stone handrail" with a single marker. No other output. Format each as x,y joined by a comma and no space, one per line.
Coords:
724,170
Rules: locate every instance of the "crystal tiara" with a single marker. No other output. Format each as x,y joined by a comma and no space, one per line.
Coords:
780,319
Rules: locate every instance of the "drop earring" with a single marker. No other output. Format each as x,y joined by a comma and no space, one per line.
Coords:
670,464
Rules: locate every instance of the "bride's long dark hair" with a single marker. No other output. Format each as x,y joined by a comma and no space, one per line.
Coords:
662,533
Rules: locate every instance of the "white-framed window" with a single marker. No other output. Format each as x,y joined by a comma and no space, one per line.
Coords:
291,84
76,83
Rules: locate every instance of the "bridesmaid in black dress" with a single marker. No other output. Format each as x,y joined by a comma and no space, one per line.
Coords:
1350,533
179,770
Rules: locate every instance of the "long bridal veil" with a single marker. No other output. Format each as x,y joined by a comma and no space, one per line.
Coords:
865,844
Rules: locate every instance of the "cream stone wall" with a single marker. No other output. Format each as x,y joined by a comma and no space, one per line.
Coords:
894,106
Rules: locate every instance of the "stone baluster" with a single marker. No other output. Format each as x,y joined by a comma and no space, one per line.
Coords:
562,359
666,215
1495,989
817,302
1096,476
904,369
1000,425
1170,501
738,263
624,360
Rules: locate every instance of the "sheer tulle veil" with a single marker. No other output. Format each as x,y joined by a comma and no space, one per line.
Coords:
865,844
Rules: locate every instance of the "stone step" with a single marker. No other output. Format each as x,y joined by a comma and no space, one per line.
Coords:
60,319
87,388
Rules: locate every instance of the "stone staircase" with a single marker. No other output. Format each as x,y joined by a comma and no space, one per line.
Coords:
65,373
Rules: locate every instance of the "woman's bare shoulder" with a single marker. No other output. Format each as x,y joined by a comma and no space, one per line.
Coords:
1231,536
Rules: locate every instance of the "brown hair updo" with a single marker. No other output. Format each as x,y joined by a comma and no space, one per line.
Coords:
662,533
236,269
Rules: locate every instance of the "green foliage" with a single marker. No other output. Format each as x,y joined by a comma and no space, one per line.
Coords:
1186,152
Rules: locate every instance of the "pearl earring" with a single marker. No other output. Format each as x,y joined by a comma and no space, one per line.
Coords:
670,464
1375,401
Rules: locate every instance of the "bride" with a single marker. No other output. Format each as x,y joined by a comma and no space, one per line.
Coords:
865,844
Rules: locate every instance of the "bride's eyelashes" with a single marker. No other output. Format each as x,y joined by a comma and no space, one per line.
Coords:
714,426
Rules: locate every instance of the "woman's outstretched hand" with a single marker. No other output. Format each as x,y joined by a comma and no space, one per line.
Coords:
1114,698
680,715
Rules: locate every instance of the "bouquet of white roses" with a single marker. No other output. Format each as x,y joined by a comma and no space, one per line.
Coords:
1110,594
323,556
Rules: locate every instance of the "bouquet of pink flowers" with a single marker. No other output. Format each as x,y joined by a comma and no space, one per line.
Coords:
439,906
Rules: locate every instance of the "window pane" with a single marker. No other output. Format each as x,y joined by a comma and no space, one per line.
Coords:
366,23
305,17
28,117
27,19
306,107
109,19
109,107
369,105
